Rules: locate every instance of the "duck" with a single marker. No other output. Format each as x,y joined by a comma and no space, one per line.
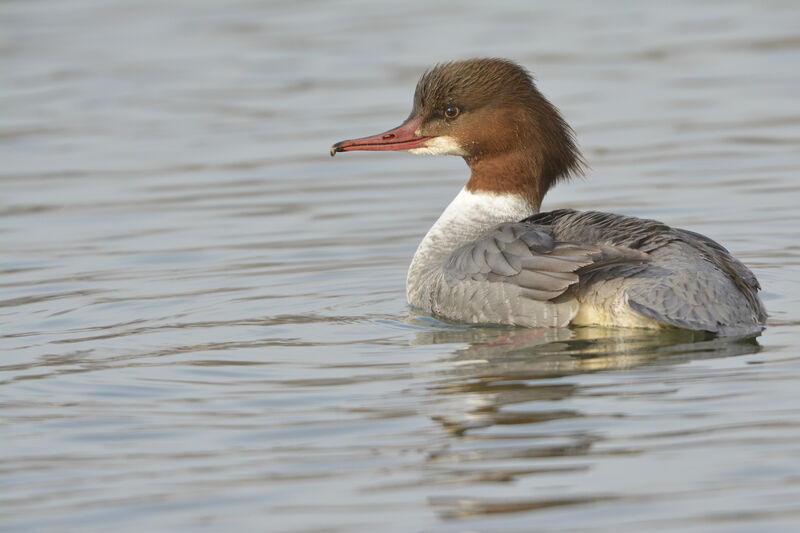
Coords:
492,257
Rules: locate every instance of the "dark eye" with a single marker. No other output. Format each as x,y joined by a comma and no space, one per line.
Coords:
451,111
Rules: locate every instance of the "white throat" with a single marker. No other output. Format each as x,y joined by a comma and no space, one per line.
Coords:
468,216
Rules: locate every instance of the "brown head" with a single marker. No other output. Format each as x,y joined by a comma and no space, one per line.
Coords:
490,112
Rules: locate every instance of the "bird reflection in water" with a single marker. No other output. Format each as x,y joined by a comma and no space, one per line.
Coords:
508,399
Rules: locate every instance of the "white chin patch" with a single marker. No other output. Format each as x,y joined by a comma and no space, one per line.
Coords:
443,145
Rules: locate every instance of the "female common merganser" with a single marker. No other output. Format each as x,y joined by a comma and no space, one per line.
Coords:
492,258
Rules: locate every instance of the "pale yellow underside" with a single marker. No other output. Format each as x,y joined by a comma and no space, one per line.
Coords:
620,315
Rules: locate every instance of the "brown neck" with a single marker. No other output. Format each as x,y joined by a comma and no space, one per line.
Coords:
523,152
511,172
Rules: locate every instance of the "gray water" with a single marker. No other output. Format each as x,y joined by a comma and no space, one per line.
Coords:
203,317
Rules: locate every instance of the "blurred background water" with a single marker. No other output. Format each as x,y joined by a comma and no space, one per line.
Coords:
202,315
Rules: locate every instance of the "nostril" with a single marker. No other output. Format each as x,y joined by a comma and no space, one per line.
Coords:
388,136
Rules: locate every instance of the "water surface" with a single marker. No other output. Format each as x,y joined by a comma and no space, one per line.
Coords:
203,316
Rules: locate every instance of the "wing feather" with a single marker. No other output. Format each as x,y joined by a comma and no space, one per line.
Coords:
526,255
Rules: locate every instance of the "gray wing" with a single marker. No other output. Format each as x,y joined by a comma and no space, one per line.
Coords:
690,282
528,257
709,291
